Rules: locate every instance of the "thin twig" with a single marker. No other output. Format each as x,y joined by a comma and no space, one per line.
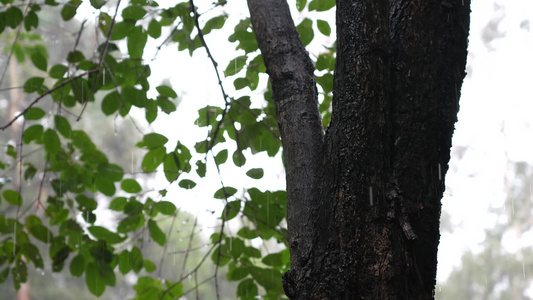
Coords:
48,92
100,63
166,244
190,243
215,66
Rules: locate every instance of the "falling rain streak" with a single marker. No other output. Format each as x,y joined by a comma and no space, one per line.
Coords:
440,172
371,196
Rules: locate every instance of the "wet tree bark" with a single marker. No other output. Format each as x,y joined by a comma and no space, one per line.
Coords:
364,197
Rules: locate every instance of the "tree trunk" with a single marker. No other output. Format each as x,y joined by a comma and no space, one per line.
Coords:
364,198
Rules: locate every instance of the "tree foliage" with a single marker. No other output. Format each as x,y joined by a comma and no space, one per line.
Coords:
74,174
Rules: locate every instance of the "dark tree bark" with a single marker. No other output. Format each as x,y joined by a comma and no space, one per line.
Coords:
364,198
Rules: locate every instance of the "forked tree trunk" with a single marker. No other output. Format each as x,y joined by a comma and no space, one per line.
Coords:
364,197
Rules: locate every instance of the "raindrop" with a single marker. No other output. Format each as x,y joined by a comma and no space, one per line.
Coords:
371,196
523,269
440,173
268,206
14,238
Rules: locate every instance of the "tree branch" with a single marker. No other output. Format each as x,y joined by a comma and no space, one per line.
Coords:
295,96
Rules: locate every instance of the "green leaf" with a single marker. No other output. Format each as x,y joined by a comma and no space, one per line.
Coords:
77,265
247,233
118,204
221,157
171,167
154,140
111,103
174,290
31,20
214,23
156,233
256,173
86,202
166,105
134,96
39,60
229,191
97,3
104,185
136,259
34,113
231,210
133,12
32,254
121,29
219,257
12,197
187,184
34,84
321,5
57,71
30,171
11,151
69,9
52,144
274,260
13,17
150,111
200,168
149,265
130,186
20,273
103,233
124,262
166,91
247,289
236,274
94,281
154,29
63,126
75,56
305,29
235,65
326,82
40,232
325,61
153,159
323,27
238,158
136,41
270,279
32,133
300,4
111,172
165,207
